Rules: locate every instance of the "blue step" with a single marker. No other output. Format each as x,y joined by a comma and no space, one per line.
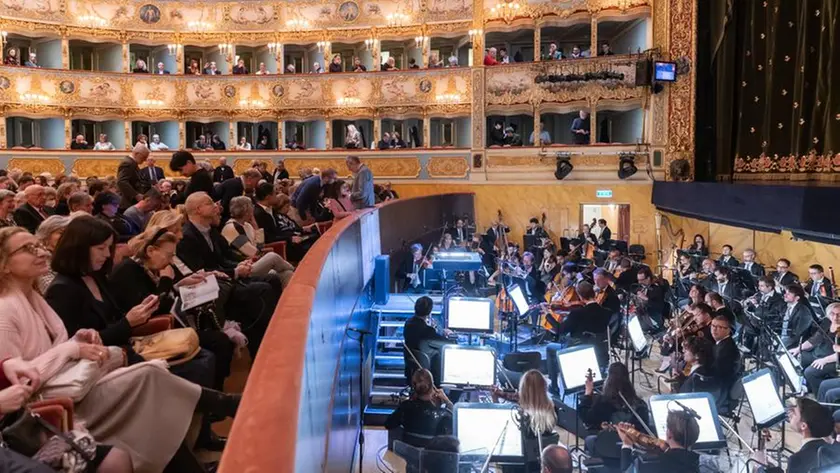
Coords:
390,362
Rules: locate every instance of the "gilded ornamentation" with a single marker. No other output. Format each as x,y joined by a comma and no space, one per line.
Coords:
387,168
149,14
810,163
4,83
86,167
37,166
348,11
477,118
683,21
425,86
230,91
294,165
278,90
447,167
241,164
67,87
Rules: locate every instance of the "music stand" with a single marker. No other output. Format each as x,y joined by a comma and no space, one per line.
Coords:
568,370
530,241
484,428
711,435
763,395
470,315
468,366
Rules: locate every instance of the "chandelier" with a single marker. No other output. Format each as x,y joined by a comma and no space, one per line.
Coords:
93,20
348,101
396,19
173,49
35,98
199,25
448,98
420,41
370,44
323,45
251,103
506,10
150,103
297,24
275,49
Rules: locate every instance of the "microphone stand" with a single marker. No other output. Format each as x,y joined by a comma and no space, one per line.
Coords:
361,442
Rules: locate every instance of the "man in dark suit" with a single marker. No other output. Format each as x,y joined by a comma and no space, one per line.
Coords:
782,275
725,354
589,320
200,180
726,258
723,284
231,188
308,195
605,292
459,233
161,70
130,182
251,300
223,172
681,432
606,234
419,335
819,286
716,302
152,173
32,213
814,422
750,264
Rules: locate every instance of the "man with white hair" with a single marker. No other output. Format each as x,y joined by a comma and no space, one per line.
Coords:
33,60
156,144
223,172
235,187
130,182
32,212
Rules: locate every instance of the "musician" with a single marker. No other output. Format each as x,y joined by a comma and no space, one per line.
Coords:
419,335
447,243
750,265
682,431
818,354
412,269
819,286
606,234
725,355
626,277
495,231
585,324
536,410
703,315
724,286
706,276
548,267
683,274
767,304
652,295
428,412
782,274
699,247
613,261
586,235
813,421
459,233
531,284
726,258
535,229
798,318
715,301
696,294
604,292
697,355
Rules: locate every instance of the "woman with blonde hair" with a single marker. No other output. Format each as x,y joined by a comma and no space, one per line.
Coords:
123,408
536,407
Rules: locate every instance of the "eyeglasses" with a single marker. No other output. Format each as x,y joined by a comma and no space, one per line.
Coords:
31,248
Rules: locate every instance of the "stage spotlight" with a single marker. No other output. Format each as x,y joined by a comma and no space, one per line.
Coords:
626,165
564,165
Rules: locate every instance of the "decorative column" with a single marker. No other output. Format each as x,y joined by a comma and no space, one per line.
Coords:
126,58
593,122
376,52
328,129
65,53
68,130
128,143
281,134
3,143
427,130
182,135
477,117
537,120
537,40
179,60
232,140
377,130
280,59
478,49
593,32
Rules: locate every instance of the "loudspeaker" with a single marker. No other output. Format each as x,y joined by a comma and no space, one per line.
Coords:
381,279
644,67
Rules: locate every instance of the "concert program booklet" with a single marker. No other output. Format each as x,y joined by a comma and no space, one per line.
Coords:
201,293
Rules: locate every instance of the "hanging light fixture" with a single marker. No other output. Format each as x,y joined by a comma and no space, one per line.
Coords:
173,49
323,45
506,10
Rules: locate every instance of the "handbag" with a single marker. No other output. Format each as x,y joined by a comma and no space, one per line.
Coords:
25,432
72,452
176,346
21,432
77,378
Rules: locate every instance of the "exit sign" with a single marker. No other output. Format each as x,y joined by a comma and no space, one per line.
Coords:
603,193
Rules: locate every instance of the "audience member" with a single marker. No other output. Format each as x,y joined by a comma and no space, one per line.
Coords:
103,144
240,68
606,50
262,71
453,60
130,182
12,58
390,64
7,208
503,56
200,179
412,64
32,212
316,68
335,64
337,199
48,234
210,69
512,138
580,128
222,172
280,172
63,192
140,213
231,188
353,138
161,69
157,145
385,142
306,199
426,414
194,68
576,53
140,67
50,198
290,69
396,140
554,53
80,201
106,207
435,61
79,143
153,173
202,144
545,138
217,143
271,214
358,66
362,189
243,145
490,57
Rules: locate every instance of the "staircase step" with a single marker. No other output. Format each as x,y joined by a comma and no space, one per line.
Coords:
386,340
376,415
392,324
388,375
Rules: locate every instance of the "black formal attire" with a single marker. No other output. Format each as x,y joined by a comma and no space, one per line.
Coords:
809,455
279,227
822,346
71,299
728,261
123,227
281,174
494,233
513,140
153,174
727,290
237,70
823,290
610,300
61,208
130,182
29,217
335,67
797,324
200,181
655,306
459,235
222,173
770,308
497,137
586,325
580,124
784,279
382,144
407,267
218,145
134,284
701,380
251,301
606,235
75,145
307,197
420,336
420,418
13,462
626,279
596,409
674,460
726,312
226,191
725,360
754,268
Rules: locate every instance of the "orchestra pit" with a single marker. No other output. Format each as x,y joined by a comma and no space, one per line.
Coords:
446,236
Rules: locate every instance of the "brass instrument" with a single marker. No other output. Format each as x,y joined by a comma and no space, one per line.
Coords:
639,439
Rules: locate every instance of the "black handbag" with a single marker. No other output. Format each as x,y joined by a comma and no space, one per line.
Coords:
20,431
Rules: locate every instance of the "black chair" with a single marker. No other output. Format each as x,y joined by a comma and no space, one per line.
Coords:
411,365
531,447
636,252
516,364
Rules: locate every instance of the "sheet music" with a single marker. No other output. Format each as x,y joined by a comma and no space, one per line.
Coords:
201,293
479,429
464,366
574,365
764,398
470,314
708,431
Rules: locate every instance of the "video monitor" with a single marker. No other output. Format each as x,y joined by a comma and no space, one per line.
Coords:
790,367
711,436
468,365
573,365
637,335
665,71
482,428
518,297
763,396
470,314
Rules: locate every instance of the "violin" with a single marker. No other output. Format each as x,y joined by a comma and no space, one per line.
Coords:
639,439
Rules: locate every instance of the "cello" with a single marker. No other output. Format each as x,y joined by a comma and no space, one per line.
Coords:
503,301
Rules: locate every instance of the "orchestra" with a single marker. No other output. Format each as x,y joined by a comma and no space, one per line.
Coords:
707,314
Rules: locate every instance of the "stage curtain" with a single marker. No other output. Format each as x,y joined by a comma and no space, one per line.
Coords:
774,63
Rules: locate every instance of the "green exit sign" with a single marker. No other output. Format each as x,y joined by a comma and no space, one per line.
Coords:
603,193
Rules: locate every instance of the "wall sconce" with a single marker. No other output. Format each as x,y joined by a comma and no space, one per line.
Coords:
35,98
174,49
348,101
396,19
323,45
275,49
506,10
92,20
370,44
226,49
474,33
297,24
448,98
420,41
150,103
4,34
199,25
